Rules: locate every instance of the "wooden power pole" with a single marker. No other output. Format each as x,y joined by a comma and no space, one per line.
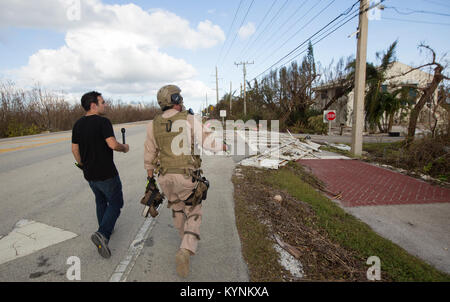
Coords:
360,80
217,88
245,74
230,97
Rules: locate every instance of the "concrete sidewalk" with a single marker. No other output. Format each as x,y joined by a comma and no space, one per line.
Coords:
409,212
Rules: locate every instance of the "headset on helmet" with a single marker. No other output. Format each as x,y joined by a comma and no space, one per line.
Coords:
176,98
168,96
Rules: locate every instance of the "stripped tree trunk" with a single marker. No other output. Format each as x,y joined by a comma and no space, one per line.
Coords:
428,94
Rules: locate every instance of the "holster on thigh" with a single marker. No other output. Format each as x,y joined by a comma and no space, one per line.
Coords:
198,194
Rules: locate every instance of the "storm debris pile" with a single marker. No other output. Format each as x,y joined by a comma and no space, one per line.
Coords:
276,149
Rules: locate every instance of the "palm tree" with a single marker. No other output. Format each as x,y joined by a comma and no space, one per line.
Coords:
378,99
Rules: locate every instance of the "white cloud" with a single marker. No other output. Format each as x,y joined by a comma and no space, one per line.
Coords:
51,14
116,49
246,31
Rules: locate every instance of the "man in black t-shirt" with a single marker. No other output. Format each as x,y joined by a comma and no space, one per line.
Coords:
93,142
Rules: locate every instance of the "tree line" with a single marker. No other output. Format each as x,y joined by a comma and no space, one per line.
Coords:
287,94
33,111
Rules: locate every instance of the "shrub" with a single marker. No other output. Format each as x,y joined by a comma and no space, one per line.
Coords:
16,128
317,125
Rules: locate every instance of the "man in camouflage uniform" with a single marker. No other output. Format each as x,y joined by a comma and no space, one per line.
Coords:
178,172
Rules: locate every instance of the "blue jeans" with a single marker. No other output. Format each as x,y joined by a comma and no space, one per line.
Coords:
109,201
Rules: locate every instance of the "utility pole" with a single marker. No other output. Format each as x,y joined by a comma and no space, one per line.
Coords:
360,80
230,97
245,73
207,107
217,88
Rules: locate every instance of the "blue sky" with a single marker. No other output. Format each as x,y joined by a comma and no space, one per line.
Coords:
129,51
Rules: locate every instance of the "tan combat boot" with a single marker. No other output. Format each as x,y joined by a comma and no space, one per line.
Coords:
182,259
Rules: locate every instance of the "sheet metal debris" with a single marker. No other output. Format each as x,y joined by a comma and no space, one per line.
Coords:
340,146
275,149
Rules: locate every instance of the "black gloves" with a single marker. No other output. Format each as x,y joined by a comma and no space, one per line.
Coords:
151,184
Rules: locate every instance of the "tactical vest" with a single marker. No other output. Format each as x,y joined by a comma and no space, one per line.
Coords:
166,161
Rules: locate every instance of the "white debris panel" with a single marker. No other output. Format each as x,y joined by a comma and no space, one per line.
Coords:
274,153
339,146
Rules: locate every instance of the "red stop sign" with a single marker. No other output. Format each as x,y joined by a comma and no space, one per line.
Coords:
331,116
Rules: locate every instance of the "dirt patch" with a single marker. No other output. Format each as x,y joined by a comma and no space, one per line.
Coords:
294,222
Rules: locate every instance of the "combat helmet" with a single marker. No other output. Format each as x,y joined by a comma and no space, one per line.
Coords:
168,96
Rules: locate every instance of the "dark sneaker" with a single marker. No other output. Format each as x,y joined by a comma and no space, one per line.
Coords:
102,244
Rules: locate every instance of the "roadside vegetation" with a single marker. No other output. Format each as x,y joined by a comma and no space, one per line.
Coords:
27,112
331,244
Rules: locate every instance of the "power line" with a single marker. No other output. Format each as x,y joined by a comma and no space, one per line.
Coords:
271,21
260,23
342,14
290,38
318,32
309,22
415,21
243,20
229,30
321,37
416,11
436,3
289,18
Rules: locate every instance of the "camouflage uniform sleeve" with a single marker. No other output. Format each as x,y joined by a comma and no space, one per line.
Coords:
150,148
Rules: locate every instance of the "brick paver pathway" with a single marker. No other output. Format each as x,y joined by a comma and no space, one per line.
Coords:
363,184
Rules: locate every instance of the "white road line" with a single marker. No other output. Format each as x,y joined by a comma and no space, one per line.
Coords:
125,266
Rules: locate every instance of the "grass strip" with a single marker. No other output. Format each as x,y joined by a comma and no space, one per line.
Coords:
353,234
257,248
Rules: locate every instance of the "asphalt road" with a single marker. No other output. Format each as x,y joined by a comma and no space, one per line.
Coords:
39,183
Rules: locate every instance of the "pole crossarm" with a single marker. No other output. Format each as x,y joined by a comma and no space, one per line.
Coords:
245,74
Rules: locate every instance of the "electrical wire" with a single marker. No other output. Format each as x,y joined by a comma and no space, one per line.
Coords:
298,31
295,49
321,37
291,27
229,30
416,11
436,3
260,23
415,21
243,20
271,21
332,21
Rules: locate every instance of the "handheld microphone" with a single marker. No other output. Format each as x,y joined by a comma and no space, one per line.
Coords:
123,135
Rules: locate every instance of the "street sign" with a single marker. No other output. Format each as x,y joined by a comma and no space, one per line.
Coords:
329,115
223,113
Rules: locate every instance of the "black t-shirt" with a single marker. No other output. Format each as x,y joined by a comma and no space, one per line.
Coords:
90,132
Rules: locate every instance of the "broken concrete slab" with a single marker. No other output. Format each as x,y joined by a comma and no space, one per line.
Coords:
28,237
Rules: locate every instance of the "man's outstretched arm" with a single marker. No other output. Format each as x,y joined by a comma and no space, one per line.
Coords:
116,146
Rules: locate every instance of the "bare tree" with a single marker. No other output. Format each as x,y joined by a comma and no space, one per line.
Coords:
427,92
341,76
